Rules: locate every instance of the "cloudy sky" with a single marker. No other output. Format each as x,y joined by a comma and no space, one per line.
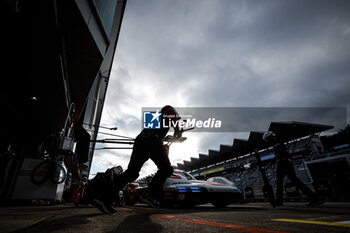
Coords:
224,53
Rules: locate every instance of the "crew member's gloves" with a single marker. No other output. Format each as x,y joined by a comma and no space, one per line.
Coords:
177,132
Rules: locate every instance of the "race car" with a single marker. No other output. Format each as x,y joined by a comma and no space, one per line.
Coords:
224,180
221,180
185,190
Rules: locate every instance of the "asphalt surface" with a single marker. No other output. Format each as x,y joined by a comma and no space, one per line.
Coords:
253,217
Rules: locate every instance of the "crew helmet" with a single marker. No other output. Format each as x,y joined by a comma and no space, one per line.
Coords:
269,136
170,112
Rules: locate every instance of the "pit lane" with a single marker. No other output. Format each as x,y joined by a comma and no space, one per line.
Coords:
293,217
253,217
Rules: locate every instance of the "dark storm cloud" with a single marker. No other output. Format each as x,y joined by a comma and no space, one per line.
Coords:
252,53
283,52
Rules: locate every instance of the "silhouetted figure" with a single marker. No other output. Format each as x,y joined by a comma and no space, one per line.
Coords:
148,145
284,167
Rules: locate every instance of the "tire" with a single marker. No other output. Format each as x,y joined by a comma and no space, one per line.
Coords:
186,205
34,177
166,204
220,203
51,171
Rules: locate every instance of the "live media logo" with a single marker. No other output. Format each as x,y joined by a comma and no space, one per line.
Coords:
151,119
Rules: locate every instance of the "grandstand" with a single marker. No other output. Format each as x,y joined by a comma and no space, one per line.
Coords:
240,161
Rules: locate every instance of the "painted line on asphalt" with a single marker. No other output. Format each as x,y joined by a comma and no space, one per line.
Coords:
206,223
336,224
344,222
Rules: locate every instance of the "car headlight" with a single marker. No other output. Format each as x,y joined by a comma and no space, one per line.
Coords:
193,189
182,189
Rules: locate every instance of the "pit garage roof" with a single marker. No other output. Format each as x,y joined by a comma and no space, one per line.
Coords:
226,151
256,139
286,131
240,147
291,130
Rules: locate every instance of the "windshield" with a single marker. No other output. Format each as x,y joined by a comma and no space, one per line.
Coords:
187,175
222,180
